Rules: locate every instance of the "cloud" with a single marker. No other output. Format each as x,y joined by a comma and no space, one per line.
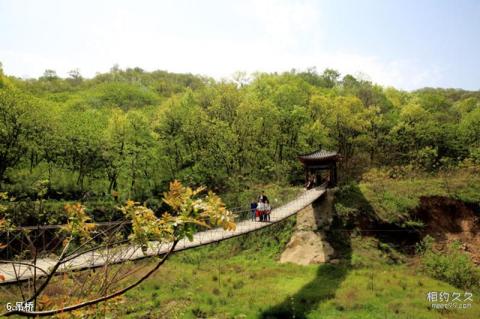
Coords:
284,22
268,36
222,61
28,64
402,73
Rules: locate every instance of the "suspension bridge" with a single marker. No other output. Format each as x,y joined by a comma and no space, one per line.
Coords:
12,271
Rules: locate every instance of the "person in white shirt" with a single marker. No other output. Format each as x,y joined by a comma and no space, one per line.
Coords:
268,210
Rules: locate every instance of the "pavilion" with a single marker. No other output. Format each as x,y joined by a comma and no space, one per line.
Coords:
318,162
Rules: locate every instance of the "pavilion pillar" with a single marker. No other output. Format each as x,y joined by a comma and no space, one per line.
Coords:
334,174
330,175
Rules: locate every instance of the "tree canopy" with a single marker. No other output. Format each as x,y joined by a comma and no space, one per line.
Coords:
128,132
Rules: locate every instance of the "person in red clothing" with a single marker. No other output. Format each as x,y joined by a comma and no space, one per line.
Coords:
262,206
261,211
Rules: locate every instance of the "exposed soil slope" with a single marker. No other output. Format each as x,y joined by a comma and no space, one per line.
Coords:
447,220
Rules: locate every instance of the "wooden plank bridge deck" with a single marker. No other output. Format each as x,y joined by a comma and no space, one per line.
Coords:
20,272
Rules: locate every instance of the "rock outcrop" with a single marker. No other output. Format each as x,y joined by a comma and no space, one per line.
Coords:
308,244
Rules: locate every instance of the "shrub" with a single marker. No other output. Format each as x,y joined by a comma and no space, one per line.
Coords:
426,158
345,214
475,155
375,175
454,267
199,313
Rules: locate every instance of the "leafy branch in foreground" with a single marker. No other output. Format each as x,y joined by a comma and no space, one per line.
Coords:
189,211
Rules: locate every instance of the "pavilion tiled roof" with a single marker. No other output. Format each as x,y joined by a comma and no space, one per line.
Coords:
319,155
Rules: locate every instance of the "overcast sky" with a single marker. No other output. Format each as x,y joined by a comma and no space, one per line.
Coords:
403,43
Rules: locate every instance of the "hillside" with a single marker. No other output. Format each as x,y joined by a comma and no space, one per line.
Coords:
127,133
404,217
376,277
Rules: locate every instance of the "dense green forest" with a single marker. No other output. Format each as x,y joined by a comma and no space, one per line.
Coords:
409,159
126,133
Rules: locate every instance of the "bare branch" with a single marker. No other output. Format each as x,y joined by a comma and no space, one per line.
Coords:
95,301
18,278
94,237
24,264
51,274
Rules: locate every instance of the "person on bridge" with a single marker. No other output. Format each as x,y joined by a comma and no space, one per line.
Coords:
263,208
253,209
260,211
268,210
263,198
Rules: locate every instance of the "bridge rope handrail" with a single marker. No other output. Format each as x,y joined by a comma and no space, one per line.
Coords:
22,237
94,259
236,210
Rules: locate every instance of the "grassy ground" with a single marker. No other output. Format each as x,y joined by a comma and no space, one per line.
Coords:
391,198
242,279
